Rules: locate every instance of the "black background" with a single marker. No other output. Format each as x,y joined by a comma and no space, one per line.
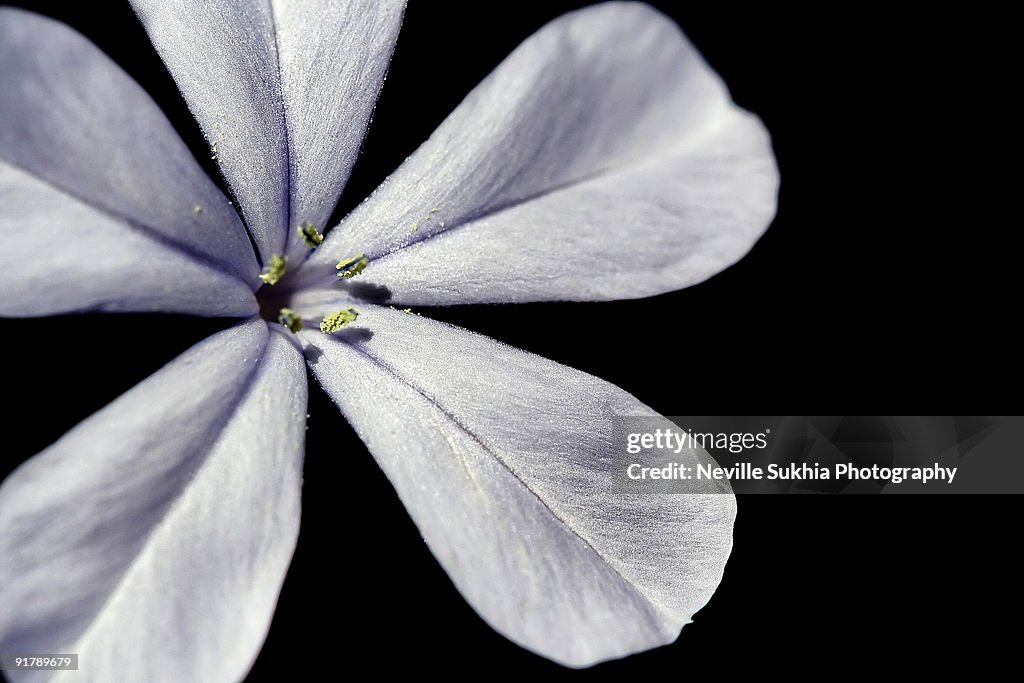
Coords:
885,285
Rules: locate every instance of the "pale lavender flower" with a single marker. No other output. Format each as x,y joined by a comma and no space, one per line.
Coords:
603,159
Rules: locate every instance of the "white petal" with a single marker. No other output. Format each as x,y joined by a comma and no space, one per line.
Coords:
70,117
283,91
505,462
603,159
59,254
153,538
334,56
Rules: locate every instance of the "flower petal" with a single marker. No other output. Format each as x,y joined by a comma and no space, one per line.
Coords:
70,117
59,254
283,91
154,537
334,56
603,159
505,462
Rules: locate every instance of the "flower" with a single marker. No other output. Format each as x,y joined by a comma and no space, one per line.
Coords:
602,160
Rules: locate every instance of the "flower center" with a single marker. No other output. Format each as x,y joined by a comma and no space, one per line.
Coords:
275,301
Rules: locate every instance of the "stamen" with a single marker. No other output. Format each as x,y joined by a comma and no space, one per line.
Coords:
351,267
336,321
290,319
273,271
310,235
